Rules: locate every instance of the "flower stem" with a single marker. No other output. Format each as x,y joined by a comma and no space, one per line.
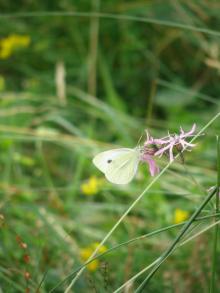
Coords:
144,236
82,96
216,232
173,245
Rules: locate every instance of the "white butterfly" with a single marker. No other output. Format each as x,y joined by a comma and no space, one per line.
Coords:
118,165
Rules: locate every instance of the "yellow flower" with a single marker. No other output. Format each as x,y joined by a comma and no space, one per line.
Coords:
102,248
85,253
12,42
91,186
180,216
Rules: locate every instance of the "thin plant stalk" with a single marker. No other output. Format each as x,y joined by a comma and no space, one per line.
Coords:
144,236
176,241
216,232
149,266
136,201
94,39
151,102
116,16
198,233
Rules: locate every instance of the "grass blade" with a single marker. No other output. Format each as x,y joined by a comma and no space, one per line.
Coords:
158,259
166,23
150,234
135,202
176,241
216,232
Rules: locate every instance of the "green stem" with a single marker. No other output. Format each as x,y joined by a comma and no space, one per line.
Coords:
173,245
81,95
150,102
144,236
216,232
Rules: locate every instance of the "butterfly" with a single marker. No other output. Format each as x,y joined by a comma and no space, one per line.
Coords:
119,165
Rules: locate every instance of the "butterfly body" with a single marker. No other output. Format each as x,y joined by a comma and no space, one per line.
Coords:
118,165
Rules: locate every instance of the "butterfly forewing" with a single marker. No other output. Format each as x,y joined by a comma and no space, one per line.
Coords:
123,168
103,160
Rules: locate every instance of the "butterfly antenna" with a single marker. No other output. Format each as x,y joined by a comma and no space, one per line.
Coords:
139,140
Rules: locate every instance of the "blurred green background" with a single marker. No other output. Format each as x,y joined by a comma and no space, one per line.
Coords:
74,84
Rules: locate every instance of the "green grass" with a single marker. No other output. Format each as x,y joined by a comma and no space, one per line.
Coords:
130,66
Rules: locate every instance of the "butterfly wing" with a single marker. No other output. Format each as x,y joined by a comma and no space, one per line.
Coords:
123,168
103,160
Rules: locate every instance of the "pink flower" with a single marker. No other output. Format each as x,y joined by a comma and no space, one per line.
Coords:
174,140
154,169
148,152
159,146
149,140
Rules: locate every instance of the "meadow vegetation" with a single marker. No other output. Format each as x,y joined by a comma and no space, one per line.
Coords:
81,77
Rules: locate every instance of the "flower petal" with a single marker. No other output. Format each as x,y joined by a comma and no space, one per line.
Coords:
189,133
162,150
185,143
153,167
171,153
152,164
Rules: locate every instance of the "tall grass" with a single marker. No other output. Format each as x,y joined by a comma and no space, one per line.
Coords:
128,66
